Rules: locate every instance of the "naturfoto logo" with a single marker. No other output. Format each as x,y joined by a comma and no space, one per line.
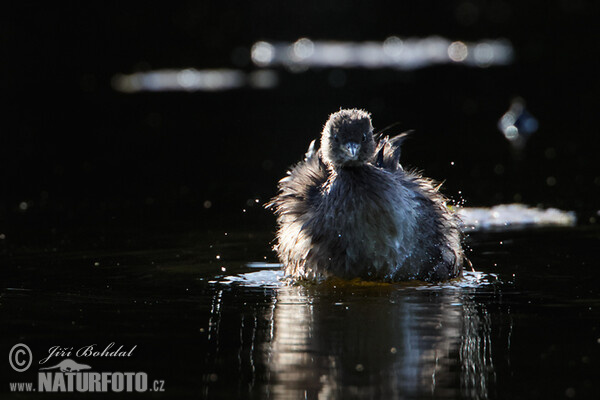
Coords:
68,375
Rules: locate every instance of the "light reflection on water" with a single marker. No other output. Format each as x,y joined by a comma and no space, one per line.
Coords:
350,340
273,277
192,80
393,52
303,54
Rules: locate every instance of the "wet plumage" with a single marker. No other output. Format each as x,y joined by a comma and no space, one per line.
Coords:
350,210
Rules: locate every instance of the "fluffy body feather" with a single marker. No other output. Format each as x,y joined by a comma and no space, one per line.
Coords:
350,210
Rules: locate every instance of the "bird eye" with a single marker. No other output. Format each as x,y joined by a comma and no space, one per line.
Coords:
364,139
335,137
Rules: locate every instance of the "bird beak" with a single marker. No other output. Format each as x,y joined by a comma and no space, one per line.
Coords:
353,149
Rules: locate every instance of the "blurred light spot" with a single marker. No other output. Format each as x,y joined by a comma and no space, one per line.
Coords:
23,206
333,54
551,181
303,48
262,53
359,367
2,236
393,47
517,124
207,204
484,55
458,51
511,132
393,52
435,49
499,169
194,80
218,257
189,79
513,216
371,53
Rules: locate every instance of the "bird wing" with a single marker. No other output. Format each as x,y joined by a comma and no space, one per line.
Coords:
388,151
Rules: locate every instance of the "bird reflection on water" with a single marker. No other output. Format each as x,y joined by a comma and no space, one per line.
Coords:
342,339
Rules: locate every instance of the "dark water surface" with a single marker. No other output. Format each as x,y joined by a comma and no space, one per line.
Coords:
211,325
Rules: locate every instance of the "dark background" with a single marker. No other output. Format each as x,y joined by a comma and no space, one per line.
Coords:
81,154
